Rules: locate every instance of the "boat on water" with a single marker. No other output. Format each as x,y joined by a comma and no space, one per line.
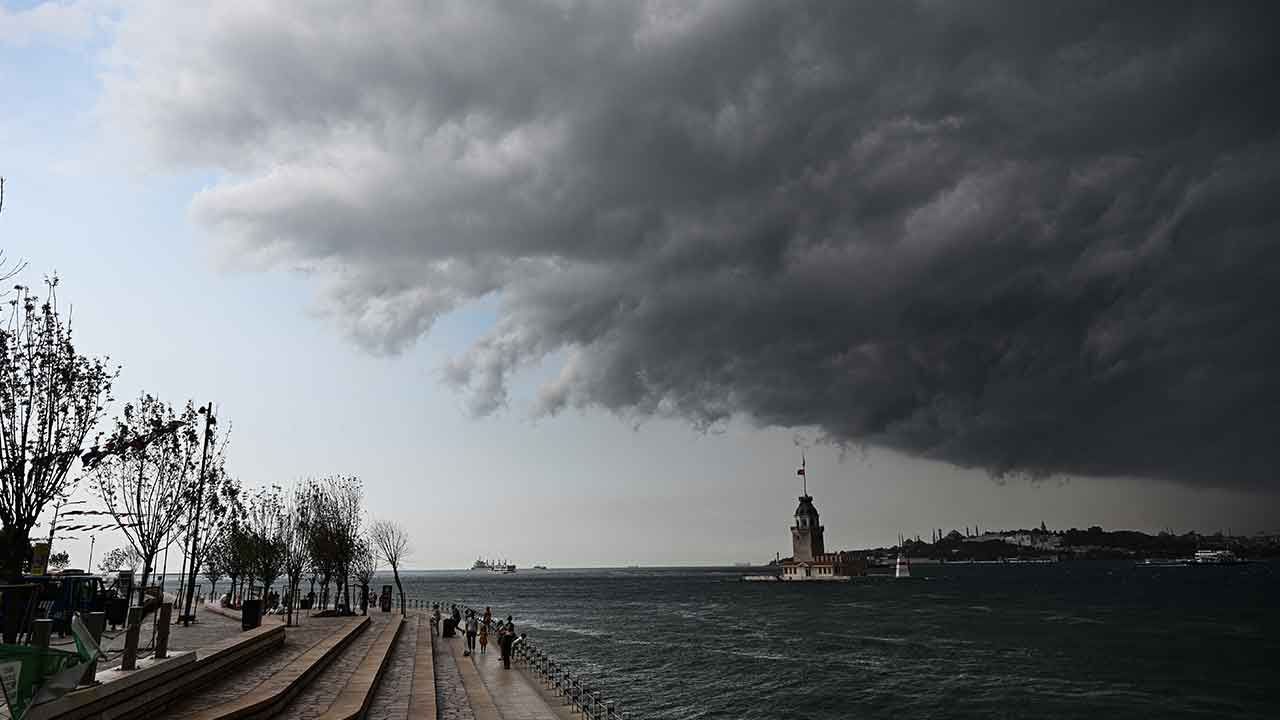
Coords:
491,566
539,567
1216,557
1202,558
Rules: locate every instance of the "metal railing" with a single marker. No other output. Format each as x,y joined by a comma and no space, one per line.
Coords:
574,691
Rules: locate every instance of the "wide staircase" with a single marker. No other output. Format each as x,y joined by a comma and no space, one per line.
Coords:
326,668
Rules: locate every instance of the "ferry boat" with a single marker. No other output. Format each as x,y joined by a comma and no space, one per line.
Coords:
1216,557
498,567
1201,558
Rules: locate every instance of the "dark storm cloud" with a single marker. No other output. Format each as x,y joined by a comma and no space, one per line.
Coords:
1015,236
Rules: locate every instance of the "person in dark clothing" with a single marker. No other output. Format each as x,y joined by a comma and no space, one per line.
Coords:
505,641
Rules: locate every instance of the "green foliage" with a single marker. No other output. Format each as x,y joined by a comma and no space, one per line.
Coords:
59,561
50,398
145,471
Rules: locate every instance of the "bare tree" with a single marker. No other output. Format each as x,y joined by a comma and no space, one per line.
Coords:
145,474
295,541
220,506
50,398
364,566
393,543
336,512
214,567
236,554
264,519
121,558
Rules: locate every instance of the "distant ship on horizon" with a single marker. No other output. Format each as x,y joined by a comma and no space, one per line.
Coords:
498,567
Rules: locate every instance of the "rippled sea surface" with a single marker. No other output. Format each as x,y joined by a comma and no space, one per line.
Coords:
1071,640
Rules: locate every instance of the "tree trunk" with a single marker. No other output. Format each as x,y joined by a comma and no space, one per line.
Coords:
146,574
399,588
15,543
346,590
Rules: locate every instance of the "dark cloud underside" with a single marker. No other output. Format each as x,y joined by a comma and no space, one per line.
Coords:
1024,237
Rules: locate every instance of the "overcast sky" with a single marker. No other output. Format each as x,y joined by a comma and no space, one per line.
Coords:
573,282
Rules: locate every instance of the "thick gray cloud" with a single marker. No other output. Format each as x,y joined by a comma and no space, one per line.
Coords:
1015,236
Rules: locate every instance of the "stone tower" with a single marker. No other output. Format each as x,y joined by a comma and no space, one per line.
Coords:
806,534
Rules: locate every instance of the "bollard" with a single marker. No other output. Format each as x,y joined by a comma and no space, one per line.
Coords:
162,631
132,626
40,631
96,622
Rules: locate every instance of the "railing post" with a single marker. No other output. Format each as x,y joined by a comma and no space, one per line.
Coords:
40,632
95,622
162,631
133,625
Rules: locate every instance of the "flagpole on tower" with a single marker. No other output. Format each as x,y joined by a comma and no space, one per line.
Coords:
804,477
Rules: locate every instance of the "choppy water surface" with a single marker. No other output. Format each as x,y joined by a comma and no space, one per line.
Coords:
1073,640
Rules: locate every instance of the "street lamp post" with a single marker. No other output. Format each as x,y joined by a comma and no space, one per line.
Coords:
209,422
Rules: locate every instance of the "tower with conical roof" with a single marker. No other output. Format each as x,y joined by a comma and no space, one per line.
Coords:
806,534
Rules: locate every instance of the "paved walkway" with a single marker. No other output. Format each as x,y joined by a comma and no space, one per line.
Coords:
392,697
453,702
496,693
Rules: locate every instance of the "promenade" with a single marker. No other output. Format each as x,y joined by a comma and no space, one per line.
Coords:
477,686
380,667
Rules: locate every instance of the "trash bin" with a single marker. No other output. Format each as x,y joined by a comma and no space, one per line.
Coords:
250,614
117,610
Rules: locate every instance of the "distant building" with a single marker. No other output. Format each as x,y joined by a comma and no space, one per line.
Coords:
809,559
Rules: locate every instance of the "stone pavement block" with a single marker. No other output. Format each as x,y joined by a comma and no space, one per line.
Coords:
319,694
272,679
398,689
452,701
515,694
362,681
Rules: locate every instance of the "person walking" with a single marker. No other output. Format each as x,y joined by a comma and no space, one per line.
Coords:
484,636
472,624
505,641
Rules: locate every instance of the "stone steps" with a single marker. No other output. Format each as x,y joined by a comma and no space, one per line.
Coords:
157,683
271,695
353,700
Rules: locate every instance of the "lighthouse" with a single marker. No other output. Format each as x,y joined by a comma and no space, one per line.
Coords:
809,557
806,534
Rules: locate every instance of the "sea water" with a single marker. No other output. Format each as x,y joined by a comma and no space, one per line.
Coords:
1069,640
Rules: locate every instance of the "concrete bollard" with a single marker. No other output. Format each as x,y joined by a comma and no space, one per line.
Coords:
132,626
96,622
162,631
40,632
